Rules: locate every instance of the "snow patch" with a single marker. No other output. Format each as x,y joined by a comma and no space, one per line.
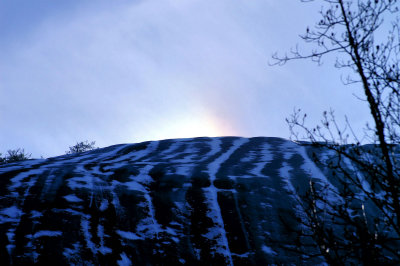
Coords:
127,235
266,157
315,173
215,147
133,185
36,214
284,173
184,170
72,254
72,198
100,233
171,151
103,205
12,212
268,250
124,261
85,228
47,233
218,232
17,180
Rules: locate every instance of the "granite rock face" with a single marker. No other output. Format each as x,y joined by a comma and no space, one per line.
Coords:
211,201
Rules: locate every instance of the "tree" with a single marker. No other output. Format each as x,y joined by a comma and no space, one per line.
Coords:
344,230
16,155
81,146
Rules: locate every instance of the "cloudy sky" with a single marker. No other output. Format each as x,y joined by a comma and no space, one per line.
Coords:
129,71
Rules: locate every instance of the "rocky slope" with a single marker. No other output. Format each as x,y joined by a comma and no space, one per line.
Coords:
185,201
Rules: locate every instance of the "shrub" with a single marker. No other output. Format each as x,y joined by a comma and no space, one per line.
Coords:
16,155
81,146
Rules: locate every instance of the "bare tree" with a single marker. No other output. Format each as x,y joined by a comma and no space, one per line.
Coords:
16,155
81,146
367,175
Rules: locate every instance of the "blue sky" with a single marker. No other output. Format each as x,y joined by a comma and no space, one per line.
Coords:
131,71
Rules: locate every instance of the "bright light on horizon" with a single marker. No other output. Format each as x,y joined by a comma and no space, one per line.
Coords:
189,127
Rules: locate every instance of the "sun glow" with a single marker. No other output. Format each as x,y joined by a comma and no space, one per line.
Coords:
190,126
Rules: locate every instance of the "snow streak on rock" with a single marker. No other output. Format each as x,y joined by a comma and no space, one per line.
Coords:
186,201
218,232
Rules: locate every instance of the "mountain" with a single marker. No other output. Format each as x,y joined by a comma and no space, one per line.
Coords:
225,200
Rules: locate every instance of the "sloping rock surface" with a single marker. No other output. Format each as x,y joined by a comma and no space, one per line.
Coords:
210,201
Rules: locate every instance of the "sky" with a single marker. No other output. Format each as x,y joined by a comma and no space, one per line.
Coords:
130,71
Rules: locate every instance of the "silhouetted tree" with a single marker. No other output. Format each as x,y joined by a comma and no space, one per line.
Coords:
81,146
344,229
16,155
